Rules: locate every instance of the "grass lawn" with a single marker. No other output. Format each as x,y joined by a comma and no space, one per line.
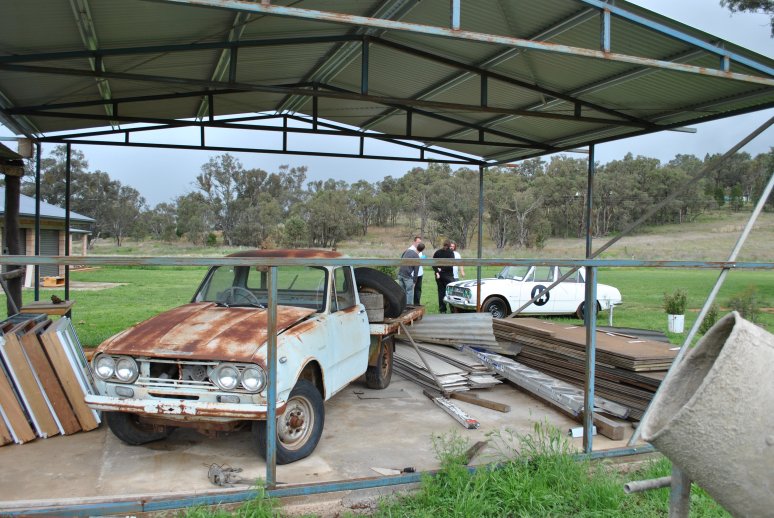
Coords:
151,290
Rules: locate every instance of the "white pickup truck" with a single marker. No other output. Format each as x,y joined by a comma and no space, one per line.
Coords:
204,364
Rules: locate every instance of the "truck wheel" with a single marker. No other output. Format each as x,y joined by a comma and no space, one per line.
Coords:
496,306
299,428
394,296
378,376
129,429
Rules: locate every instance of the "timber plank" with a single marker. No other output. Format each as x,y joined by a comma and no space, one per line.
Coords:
48,379
12,410
67,377
27,384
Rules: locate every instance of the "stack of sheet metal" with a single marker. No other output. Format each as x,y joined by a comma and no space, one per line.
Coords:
628,369
454,370
457,330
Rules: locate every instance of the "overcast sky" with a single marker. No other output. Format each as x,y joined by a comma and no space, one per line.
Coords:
161,175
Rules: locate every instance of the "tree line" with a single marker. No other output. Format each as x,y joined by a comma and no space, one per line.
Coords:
524,205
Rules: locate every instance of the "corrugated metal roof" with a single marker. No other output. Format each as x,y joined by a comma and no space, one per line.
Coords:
47,211
161,58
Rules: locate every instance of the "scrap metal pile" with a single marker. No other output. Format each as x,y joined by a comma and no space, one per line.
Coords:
454,353
44,376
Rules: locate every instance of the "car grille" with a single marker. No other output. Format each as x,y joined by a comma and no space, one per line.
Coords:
456,291
162,373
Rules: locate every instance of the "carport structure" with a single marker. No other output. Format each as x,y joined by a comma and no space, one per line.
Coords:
476,83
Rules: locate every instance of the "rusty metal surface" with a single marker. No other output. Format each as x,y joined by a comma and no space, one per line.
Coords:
179,408
300,253
203,330
391,325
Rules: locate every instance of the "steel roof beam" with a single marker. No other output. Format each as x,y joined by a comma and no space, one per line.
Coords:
338,94
422,158
340,57
159,124
679,35
224,62
82,13
165,49
430,30
497,59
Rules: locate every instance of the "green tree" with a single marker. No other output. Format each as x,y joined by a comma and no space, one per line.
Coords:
218,182
125,213
454,205
752,6
327,217
161,222
194,217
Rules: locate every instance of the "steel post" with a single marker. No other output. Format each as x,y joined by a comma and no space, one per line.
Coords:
480,250
271,403
680,497
68,184
38,151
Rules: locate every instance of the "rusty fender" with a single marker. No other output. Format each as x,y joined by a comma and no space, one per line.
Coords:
180,408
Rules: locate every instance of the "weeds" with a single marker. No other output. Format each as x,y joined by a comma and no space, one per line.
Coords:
747,303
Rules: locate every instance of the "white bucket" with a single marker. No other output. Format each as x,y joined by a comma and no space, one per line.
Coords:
676,323
714,416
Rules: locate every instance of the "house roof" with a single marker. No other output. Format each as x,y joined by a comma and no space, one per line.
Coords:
47,211
504,80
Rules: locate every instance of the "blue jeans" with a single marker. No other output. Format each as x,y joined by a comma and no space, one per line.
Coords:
407,283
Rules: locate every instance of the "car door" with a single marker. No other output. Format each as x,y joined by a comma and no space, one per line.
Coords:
538,278
569,293
349,337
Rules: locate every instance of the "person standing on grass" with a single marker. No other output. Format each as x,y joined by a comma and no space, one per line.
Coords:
420,272
459,271
407,275
443,274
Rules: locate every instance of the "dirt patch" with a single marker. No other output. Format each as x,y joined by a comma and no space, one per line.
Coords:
94,286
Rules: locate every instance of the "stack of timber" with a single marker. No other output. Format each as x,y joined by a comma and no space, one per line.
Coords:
628,369
455,371
43,379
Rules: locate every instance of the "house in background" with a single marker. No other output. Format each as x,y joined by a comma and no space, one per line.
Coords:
52,231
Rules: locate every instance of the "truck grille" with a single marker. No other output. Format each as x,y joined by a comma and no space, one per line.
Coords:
162,373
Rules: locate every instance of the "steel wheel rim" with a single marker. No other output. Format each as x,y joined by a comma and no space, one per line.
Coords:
496,310
295,426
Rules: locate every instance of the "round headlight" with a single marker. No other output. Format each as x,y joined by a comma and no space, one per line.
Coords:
226,377
126,369
104,366
253,379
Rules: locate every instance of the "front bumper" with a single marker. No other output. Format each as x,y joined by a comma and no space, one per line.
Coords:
459,302
180,408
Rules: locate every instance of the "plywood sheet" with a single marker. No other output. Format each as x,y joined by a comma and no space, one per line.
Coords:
39,361
28,385
11,409
68,379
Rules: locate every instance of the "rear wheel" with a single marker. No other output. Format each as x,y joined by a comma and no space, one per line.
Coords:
496,306
299,428
129,429
378,376
394,296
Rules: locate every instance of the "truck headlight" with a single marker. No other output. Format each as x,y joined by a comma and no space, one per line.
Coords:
126,369
253,379
225,376
104,366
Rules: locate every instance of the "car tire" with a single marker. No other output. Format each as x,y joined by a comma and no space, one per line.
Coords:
497,306
299,428
581,311
378,376
380,282
129,429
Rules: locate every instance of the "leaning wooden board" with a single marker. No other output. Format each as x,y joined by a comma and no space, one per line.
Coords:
11,410
56,395
27,383
65,371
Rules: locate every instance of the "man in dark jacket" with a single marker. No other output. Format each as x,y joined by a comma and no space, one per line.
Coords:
443,274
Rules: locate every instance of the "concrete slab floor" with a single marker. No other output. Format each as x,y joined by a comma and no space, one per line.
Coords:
359,434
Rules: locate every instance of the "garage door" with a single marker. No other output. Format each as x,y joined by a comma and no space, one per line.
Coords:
49,245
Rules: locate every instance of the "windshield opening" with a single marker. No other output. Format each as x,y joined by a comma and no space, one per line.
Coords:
300,286
516,273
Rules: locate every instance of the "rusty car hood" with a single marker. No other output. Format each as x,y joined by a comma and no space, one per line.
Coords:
203,331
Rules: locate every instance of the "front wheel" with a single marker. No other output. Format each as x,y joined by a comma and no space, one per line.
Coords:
299,428
496,306
131,430
581,311
378,376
